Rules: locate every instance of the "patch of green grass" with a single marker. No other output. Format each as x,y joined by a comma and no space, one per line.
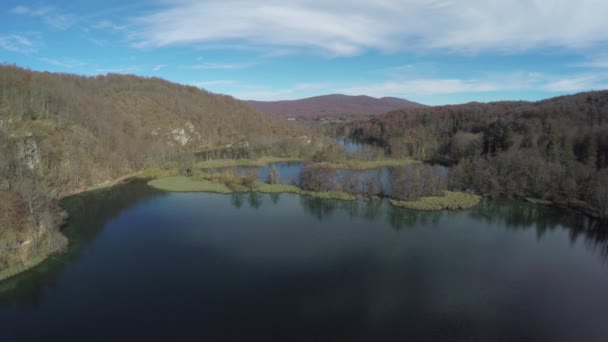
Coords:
22,267
277,188
332,195
366,164
185,184
156,172
451,201
260,162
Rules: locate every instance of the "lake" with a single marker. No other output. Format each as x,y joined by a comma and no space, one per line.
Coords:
147,265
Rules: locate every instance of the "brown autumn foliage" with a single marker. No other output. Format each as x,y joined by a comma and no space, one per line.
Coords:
556,149
60,133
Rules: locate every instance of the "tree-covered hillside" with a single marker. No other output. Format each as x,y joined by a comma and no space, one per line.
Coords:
556,149
60,133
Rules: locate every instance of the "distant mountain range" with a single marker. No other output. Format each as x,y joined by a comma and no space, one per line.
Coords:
332,106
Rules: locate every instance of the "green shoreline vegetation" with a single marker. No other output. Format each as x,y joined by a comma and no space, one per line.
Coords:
187,184
357,164
450,201
19,268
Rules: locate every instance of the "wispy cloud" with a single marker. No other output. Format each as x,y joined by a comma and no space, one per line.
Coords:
17,43
98,42
223,66
250,92
37,12
49,15
68,63
489,84
106,24
159,67
350,27
117,70
582,82
203,84
597,62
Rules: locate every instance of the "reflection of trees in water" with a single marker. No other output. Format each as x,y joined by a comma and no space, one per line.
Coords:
254,200
372,210
520,215
400,218
88,214
275,198
317,207
397,217
237,199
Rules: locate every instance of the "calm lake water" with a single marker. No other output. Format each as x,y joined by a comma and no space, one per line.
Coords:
146,265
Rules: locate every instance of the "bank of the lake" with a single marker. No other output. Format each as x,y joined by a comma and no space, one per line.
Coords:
188,184
66,201
451,200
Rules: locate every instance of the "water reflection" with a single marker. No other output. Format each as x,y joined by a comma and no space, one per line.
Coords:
516,215
237,199
89,213
221,267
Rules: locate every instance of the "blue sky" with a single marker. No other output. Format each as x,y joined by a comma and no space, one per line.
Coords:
430,51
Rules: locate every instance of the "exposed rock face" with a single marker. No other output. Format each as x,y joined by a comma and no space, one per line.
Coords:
28,151
179,135
185,135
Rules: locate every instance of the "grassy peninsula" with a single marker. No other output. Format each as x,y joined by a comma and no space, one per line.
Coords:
450,201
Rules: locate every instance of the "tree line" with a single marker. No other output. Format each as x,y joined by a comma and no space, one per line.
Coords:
554,150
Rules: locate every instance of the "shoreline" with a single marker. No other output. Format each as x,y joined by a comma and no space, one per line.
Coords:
429,203
35,261
452,200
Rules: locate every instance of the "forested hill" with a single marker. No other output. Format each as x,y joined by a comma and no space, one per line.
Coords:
556,149
332,106
114,124
61,132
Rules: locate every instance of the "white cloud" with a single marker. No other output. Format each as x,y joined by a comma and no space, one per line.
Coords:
49,15
60,21
584,82
416,88
65,63
17,43
598,62
203,84
38,12
98,42
264,94
489,84
158,67
117,70
109,25
350,27
223,66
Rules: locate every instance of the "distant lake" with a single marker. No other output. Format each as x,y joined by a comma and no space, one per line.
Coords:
147,265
